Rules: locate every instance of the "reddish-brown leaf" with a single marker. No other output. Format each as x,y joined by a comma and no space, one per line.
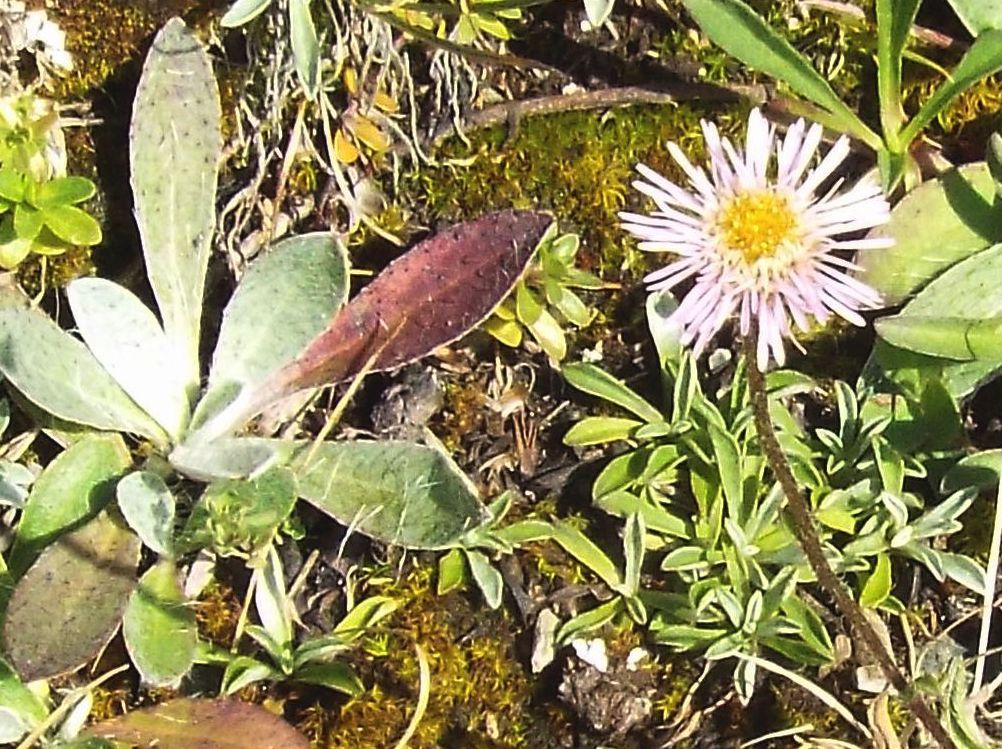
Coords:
190,723
430,296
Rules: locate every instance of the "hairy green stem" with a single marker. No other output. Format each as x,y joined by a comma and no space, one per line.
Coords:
807,536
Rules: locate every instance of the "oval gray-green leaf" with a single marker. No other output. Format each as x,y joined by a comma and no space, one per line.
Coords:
78,483
283,302
396,492
60,375
937,224
126,338
967,291
243,11
148,507
175,147
159,628
70,602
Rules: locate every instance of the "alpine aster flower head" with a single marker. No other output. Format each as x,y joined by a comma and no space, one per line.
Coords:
760,245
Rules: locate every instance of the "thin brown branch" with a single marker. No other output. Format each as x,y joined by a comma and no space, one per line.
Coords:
807,536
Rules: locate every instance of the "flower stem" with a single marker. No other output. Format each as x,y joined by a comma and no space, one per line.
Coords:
803,527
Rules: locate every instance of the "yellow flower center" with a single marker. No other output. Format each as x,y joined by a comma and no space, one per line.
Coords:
757,224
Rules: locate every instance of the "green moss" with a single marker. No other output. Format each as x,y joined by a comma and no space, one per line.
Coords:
480,696
577,164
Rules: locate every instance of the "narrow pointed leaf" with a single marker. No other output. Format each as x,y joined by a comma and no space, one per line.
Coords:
594,381
175,151
159,627
305,46
70,602
191,723
894,20
983,59
743,34
432,295
60,375
243,11
126,338
396,492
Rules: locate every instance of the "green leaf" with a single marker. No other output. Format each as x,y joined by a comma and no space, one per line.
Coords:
242,671
549,335
597,430
981,470
984,58
69,603
964,291
73,487
633,553
594,381
878,584
148,507
487,577
243,11
743,34
728,466
12,185
305,46
28,221
127,340
284,300
598,11
397,492
978,15
667,336
175,122
71,224
993,157
589,621
939,223
21,709
64,191
60,375
365,614
965,571
159,627
241,515
207,724
335,675
894,21
582,548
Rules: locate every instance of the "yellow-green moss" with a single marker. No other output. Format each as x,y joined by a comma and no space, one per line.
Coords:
217,612
577,164
480,696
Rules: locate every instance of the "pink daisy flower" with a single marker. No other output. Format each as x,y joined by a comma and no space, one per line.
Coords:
760,245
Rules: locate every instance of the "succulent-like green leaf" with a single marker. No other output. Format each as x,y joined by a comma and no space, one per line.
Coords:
429,297
78,483
72,225
594,381
188,723
64,191
229,457
69,603
148,507
126,338
397,492
285,300
159,628
60,375
967,291
937,224
175,151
